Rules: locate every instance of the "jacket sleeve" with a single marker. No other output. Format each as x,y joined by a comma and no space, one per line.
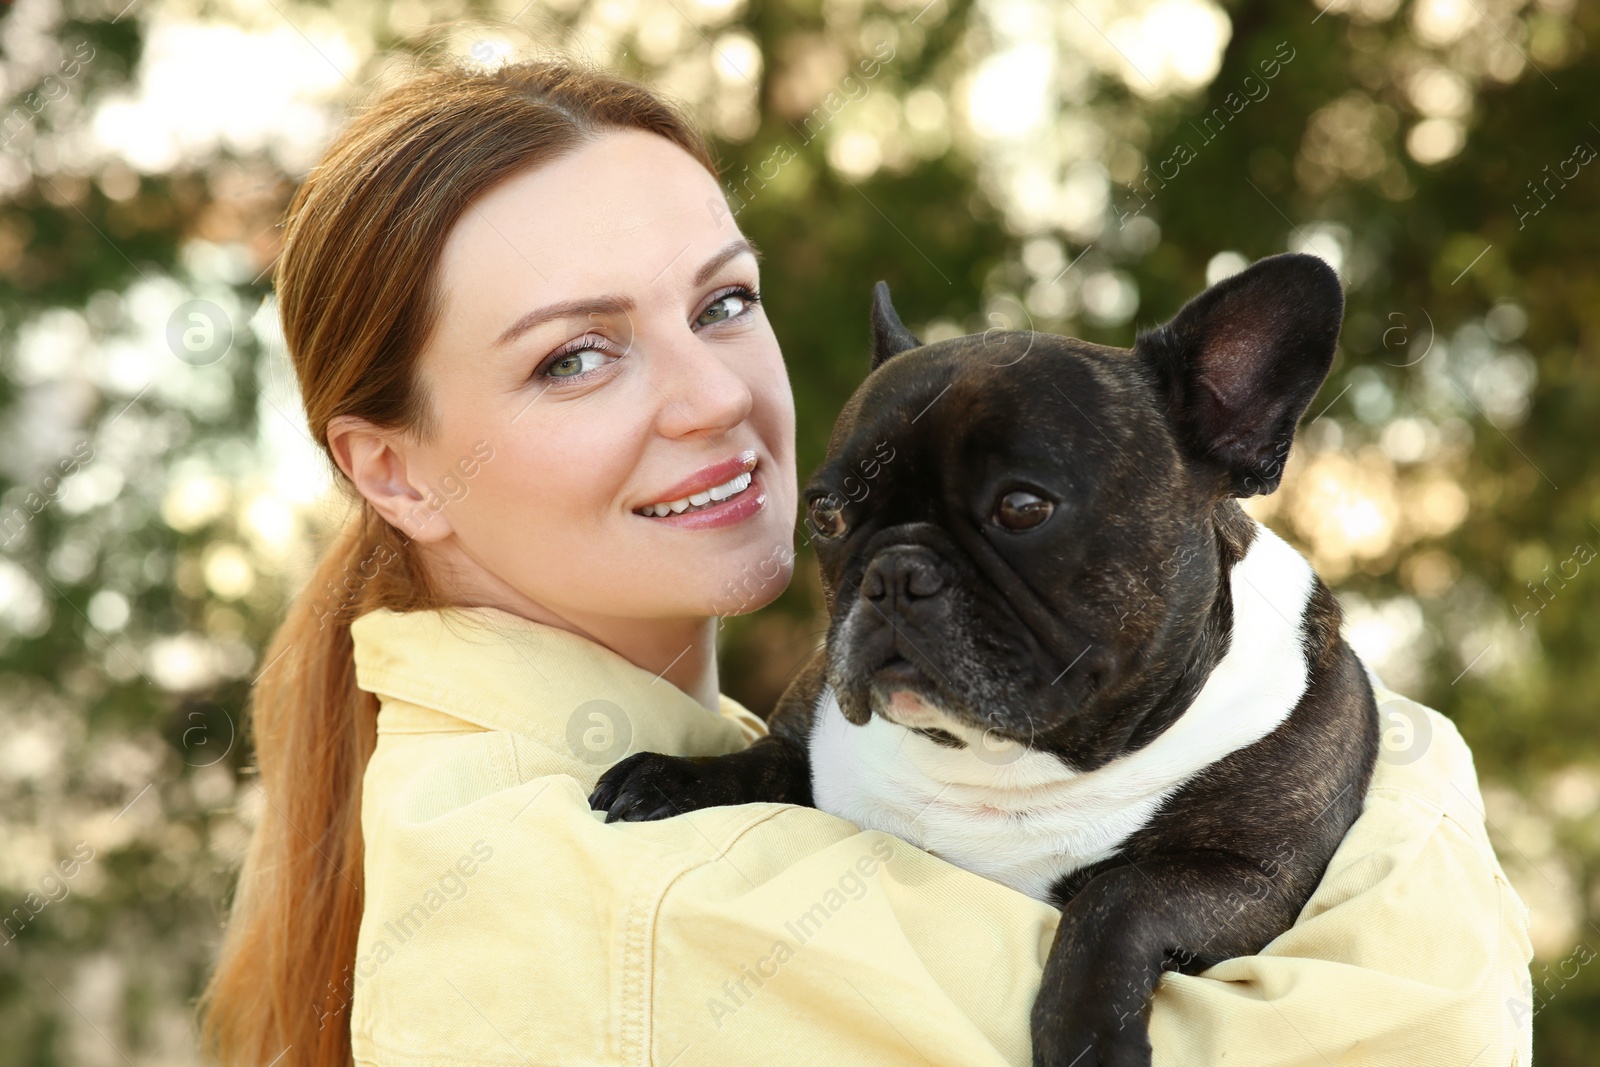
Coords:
506,924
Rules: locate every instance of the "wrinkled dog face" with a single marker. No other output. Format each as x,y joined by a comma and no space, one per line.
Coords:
1000,531
1015,528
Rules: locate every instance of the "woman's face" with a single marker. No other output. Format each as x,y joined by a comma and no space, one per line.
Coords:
600,357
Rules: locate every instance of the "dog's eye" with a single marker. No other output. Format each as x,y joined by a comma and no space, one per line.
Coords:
1022,510
826,515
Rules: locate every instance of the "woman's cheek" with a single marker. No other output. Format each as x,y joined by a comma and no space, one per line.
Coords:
491,498
527,504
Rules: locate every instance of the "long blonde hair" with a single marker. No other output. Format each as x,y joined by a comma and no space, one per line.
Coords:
358,292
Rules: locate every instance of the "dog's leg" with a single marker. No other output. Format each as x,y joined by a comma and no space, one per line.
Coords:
776,768
649,785
1128,924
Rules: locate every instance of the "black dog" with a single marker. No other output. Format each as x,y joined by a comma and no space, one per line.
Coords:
1062,656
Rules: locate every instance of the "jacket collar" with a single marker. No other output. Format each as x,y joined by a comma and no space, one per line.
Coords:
499,671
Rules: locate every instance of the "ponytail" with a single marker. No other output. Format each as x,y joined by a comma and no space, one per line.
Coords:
285,968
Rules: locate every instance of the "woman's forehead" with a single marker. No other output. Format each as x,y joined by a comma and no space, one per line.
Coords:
620,199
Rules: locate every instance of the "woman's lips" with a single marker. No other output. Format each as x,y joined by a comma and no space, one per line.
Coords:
732,486
725,512
706,485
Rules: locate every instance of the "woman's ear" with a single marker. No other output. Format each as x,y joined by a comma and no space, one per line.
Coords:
378,463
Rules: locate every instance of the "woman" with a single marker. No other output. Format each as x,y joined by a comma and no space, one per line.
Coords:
528,332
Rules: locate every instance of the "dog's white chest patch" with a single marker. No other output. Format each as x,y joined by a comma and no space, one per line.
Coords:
1025,819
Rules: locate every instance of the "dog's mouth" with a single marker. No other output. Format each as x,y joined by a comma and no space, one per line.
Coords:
901,693
897,672
904,694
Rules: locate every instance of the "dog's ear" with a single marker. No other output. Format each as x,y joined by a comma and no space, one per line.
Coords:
1240,362
889,335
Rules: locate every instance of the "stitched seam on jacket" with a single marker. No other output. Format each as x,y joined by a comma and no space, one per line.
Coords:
386,1056
450,702
1518,1046
1514,1042
617,1046
1450,809
1473,829
647,916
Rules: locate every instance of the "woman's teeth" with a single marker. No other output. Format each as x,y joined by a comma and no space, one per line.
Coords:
696,501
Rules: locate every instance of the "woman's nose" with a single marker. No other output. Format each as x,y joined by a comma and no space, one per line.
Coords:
699,388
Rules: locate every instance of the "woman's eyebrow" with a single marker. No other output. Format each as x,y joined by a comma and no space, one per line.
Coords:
736,247
613,305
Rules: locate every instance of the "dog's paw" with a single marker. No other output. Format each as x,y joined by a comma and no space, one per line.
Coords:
647,786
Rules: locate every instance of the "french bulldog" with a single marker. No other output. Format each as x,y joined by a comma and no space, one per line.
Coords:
1061,655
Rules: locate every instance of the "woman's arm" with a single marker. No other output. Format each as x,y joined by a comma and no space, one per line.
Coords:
506,923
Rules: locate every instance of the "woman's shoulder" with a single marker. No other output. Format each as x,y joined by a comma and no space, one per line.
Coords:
578,704
1424,760
750,724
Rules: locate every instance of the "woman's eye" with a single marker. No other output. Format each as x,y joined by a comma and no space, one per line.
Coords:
575,363
724,308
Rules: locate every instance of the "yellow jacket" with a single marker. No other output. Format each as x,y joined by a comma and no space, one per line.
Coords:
507,924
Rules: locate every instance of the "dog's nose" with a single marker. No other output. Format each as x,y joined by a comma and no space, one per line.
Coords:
911,573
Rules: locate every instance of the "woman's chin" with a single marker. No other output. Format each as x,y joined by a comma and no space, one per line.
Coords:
753,584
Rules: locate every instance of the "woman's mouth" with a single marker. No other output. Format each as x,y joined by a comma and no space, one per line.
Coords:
724,504
700,501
